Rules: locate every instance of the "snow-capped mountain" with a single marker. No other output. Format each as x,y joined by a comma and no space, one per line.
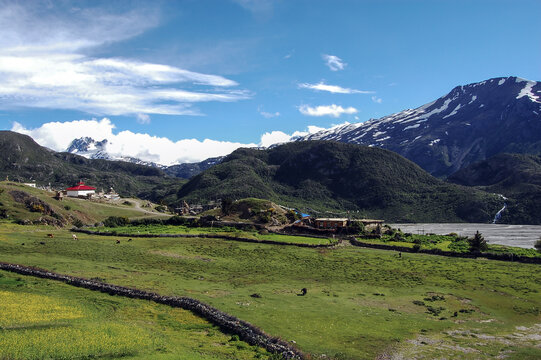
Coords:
469,124
89,148
92,149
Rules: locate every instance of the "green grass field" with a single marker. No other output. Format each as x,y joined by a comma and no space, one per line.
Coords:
43,319
179,229
360,303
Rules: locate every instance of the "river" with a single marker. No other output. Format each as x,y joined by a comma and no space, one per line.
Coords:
523,236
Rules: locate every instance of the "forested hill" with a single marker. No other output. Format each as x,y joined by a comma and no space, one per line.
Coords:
322,175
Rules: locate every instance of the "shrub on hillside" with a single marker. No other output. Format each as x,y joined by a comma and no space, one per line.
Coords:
537,244
227,204
292,216
114,221
356,227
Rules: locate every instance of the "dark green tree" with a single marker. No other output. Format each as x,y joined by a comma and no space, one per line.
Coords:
537,244
227,205
477,243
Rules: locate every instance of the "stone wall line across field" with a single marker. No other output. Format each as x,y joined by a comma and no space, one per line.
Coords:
207,236
246,331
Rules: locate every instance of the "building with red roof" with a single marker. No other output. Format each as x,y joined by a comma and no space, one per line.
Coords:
80,190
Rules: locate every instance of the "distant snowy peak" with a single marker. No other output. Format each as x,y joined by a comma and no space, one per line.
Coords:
89,148
92,149
451,122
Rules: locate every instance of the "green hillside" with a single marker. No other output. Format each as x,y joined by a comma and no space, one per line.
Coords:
24,160
24,204
321,176
518,177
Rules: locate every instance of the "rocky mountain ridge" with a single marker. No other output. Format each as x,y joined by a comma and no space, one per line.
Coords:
469,124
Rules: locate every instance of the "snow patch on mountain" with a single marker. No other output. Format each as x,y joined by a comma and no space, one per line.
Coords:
527,91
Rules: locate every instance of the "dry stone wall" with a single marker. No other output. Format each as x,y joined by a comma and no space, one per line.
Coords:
246,331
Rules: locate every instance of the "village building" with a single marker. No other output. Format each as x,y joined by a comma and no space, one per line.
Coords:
80,190
30,184
331,223
337,223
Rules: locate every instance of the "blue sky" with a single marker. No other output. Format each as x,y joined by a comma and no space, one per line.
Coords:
158,78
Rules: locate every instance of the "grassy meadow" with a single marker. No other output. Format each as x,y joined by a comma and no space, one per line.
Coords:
44,319
180,229
360,303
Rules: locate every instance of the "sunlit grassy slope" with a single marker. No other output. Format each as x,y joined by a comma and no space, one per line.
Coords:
43,319
360,302
69,209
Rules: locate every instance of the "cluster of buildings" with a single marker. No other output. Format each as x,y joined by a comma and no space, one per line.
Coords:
86,192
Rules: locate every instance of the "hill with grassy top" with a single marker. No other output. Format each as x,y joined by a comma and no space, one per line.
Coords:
27,205
319,176
23,160
516,176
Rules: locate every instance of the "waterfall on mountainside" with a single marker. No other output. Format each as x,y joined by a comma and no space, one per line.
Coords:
499,213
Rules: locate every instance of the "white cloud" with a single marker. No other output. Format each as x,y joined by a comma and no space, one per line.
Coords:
335,89
334,62
377,100
58,136
326,110
43,65
143,119
274,137
278,137
269,115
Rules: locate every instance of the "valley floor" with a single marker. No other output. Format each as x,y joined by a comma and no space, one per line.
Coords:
510,235
360,303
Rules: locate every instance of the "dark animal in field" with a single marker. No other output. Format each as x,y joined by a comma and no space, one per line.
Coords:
22,244
50,235
129,240
256,295
41,243
118,241
303,292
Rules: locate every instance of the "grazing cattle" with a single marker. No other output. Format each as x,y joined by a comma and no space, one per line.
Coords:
118,241
50,235
74,237
129,239
303,292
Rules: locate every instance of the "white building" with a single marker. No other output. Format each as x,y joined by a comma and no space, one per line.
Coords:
81,190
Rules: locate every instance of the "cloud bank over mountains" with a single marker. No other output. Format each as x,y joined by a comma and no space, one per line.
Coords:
58,136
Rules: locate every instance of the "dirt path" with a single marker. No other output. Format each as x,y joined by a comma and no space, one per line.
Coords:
138,206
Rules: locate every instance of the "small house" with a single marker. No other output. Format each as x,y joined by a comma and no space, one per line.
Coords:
331,223
80,190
